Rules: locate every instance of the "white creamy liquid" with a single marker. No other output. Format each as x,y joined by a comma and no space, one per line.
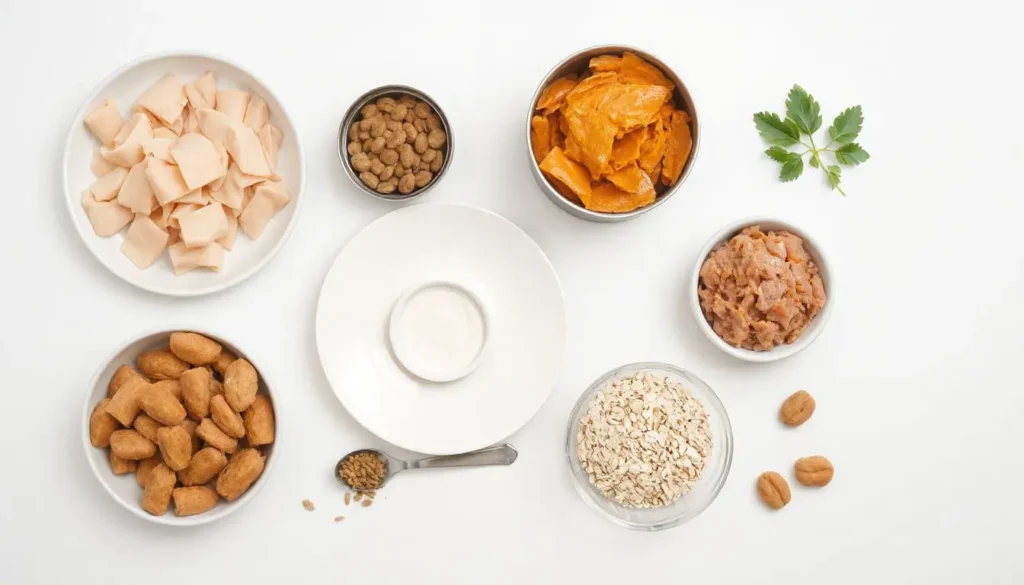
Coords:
440,333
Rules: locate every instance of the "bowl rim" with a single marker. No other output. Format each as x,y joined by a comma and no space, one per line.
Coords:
727,439
221,510
349,118
825,270
682,89
86,235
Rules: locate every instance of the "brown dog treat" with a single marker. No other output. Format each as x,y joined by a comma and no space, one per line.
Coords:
194,348
122,375
225,359
241,471
160,404
191,426
797,409
172,386
259,421
227,419
216,388
175,446
159,485
124,406
211,433
189,501
130,444
240,385
773,489
161,365
195,389
205,465
145,467
101,424
120,465
814,471
147,426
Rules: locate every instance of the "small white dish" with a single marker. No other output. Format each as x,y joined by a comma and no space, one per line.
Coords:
514,283
440,338
124,86
817,324
123,488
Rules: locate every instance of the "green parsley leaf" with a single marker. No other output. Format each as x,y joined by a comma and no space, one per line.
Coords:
833,173
779,154
846,127
851,154
776,131
804,110
792,169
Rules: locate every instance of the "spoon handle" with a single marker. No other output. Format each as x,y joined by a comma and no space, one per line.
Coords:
501,455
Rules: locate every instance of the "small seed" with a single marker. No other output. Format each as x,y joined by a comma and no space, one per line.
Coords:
308,505
367,503
348,498
339,518
359,496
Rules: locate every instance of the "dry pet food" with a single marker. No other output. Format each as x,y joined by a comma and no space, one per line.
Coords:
797,409
773,489
363,471
814,471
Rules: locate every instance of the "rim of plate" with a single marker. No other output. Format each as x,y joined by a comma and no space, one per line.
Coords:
564,324
85,236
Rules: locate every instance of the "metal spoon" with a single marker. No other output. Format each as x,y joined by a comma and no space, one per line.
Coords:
501,455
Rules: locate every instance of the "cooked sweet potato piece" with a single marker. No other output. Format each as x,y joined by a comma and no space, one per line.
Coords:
677,149
571,173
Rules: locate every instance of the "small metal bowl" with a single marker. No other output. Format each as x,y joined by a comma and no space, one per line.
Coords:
394,91
577,63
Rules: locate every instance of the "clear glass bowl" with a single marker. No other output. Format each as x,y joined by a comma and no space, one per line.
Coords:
689,505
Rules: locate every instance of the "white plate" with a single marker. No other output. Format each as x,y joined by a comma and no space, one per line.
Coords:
485,254
124,86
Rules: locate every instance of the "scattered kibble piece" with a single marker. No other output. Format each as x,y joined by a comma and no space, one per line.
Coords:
814,471
797,409
773,489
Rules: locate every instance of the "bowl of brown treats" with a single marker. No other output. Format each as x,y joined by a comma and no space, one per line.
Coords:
395,143
179,427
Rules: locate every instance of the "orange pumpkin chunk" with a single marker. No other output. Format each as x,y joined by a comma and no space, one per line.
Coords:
553,96
540,137
608,198
571,173
678,148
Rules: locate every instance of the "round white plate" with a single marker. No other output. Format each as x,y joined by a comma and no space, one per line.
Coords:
477,250
124,86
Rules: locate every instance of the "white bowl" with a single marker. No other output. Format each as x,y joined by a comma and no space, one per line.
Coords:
123,488
817,324
124,86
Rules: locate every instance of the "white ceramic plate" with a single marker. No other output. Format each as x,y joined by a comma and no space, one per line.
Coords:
124,86
123,488
485,254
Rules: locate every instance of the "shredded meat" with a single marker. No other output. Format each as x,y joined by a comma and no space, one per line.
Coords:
760,290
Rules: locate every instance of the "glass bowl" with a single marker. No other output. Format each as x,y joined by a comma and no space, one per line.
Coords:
689,505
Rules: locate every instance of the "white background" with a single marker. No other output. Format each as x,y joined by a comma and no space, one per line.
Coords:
916,376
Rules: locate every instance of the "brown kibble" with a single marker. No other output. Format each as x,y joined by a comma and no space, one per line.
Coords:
353,133
101,425
797,409
124,406
348,498
160,404
145,467
399,112
436,139
370,179
405,155
227,419
195,389
259,422
307,504
435,165
369,111
211,433
122,375
393,126
422,110
241,471
377,127
422,178
146,426
421,144
367,143
172,386
194,348
191,427
385,187
360,162
175,447
407,100
386,104
389,171
378,144
189,501
120,465
354,148
364,125
410,132
129,444
397,140
204,466
161,365
814,471
773,489
433,122
376,166
407,184
420,125
240,384
225,359
159,485
216,388
429,155
388,157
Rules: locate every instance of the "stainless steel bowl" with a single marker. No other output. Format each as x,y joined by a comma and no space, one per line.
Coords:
577,63
393,91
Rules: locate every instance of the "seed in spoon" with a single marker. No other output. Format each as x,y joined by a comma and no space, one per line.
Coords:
364,470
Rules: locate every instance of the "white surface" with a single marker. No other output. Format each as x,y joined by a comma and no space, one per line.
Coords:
123,488
917,375
825,270
432,242
124,84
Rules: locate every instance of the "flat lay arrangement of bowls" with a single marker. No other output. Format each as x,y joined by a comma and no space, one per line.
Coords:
431,273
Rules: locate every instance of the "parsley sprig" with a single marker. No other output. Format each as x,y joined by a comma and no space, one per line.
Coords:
803,118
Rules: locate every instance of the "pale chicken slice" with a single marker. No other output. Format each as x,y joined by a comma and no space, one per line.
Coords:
202,91
258,212
101,166
203,226
161,216
136,193
105,122
224,160
270,139
144,242
106,187
166,180
215,125
127,150
276,192
245,149
198,160
196,197
256,113
107,217
184,259
232,103
159,148
228,241
164,99
189,122
164,132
